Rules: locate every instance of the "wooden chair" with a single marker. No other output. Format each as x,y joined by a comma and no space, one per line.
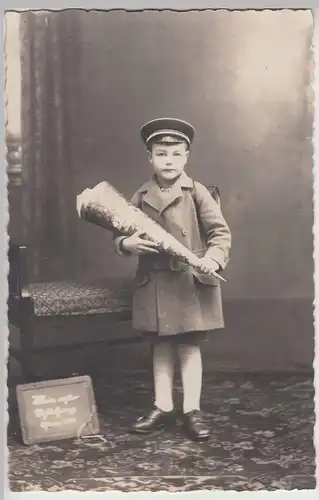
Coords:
36,307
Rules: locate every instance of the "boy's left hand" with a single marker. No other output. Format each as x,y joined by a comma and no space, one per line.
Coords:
208,265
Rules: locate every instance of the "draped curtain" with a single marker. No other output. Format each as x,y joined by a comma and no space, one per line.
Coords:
50,59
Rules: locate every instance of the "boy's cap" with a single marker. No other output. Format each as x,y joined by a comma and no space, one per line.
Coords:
170,127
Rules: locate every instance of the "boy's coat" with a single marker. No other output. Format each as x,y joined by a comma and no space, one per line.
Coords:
169,297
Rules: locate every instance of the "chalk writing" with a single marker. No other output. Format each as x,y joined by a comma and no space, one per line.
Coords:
56,412
48,425
67,399
42,399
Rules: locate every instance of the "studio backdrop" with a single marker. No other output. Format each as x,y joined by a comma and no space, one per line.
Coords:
243,79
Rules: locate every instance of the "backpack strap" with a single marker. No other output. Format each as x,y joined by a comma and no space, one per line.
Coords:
214,192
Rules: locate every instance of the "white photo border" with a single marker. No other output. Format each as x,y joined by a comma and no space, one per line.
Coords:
138,5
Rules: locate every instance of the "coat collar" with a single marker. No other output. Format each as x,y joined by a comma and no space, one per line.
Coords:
153,195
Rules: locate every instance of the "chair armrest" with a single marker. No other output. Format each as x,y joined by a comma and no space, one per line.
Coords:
18,278
20,303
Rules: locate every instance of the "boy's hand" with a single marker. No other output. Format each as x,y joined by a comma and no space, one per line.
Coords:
139,246
208,265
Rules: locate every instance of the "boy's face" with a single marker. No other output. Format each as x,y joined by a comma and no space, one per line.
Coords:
168,160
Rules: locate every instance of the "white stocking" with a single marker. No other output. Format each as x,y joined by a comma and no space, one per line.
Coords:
191,371
163,369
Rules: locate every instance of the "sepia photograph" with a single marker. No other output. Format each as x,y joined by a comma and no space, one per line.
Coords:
160,250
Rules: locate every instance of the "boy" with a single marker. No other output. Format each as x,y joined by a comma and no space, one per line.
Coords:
173,304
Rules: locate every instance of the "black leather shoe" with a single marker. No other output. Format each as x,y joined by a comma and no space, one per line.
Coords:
155,420
195,427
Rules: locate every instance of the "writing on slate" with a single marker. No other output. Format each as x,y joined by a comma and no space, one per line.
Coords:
54,412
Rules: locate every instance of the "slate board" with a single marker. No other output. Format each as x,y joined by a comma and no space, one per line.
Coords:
57,409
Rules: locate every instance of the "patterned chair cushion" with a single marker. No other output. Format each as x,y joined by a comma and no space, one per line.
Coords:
106,296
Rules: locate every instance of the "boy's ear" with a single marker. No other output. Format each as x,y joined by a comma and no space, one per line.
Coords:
149,155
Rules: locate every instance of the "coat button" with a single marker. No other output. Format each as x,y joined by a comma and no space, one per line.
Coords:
184,232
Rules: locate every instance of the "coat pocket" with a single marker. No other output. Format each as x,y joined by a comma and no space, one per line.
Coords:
141,280
204,279
175,265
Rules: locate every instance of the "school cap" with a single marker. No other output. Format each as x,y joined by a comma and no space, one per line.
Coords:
167,127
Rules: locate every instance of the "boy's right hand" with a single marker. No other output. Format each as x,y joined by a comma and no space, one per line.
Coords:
139,246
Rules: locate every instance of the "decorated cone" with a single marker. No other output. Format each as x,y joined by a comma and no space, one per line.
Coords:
105,206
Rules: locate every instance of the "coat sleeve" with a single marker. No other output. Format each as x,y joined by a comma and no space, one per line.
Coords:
118,237
216,229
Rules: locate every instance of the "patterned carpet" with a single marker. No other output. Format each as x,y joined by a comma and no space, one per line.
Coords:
262,439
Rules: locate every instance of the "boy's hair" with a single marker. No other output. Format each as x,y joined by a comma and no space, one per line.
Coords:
159,140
